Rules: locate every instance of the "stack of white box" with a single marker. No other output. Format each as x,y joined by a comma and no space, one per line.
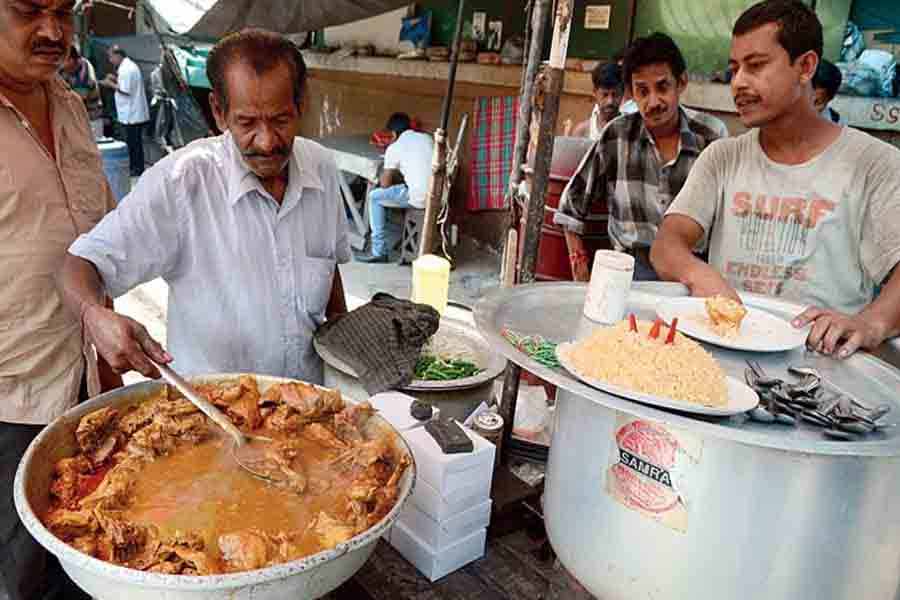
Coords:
443,526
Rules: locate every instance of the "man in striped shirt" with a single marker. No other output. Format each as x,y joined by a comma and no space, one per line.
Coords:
641,160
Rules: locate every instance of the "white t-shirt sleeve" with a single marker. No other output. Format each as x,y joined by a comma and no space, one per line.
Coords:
701,196
138,241
880,247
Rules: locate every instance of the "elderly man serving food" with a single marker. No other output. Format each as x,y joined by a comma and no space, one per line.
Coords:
799,207
246,228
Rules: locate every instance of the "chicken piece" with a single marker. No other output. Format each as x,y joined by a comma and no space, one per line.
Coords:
106,449
123,539
311,402
113,492
177,407
71,524
331,531
166,568
368,453
196,562
285,419
94,428
245,550
151,441
349,424
323,436
67,478
386,495
245,409
289,545
193,428
138,417
725,313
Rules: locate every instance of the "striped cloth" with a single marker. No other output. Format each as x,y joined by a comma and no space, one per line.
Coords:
493,138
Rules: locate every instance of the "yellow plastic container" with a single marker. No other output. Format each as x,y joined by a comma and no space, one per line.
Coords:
431,281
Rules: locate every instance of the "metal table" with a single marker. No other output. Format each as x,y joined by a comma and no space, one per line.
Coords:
760,511
354,154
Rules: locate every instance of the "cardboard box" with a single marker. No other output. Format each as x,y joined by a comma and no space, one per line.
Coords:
447,473
440,535
394,408
431,563
429,501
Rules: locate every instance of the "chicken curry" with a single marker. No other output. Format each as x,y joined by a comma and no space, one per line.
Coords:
154,486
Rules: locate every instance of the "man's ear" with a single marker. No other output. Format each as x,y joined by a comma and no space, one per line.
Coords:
218,112
808,63
682,82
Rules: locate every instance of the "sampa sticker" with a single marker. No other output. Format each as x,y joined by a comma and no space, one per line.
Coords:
648,467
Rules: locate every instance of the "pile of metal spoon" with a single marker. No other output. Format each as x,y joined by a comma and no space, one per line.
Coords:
842,416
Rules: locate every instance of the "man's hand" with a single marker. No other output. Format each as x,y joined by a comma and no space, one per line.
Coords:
122,342
710,283
837,334
580,269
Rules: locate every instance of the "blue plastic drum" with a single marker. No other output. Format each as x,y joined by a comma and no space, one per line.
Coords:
116,166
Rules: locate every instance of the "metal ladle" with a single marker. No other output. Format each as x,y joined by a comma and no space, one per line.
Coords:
241,440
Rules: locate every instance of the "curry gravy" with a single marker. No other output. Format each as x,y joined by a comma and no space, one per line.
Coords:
201,489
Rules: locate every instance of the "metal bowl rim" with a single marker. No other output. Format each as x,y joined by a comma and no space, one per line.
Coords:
68,554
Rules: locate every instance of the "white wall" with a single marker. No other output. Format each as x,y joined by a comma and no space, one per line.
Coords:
382,32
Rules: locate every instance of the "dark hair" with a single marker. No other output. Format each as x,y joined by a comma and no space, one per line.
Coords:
654,49
119,50
829,77
74,52
398,123
607,76
799,29
260,49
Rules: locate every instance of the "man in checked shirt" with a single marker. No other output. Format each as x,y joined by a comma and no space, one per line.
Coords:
640,161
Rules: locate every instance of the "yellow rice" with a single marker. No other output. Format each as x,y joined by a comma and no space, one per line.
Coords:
681,371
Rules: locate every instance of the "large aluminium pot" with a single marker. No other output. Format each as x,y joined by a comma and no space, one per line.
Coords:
765,511
311,577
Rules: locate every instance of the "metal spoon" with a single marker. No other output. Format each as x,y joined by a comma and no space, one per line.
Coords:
241,440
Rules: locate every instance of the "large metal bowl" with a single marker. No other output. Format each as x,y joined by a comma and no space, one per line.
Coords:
311,577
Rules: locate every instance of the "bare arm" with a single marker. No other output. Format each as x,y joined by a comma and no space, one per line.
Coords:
578,257
673,258
390,177
337,303
120,341
582,129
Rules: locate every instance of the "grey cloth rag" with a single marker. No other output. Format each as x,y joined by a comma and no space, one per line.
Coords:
381,340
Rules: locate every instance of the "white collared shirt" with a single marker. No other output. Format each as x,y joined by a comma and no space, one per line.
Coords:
249,280
131,107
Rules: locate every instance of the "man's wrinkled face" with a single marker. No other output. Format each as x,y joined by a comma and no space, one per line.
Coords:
657,91
261,115
765,82
608,100
35,36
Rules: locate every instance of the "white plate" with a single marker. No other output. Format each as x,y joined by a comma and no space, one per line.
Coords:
741,398
761,331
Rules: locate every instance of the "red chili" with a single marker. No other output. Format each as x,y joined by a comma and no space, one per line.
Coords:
670,339
632,322
654,331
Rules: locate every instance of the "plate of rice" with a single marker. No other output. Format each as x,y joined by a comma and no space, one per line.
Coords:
732,325
654,364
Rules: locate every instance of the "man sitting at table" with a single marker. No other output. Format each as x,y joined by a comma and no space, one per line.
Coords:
404,180
799,207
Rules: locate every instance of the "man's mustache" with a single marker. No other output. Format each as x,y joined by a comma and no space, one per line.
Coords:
48,48
275,154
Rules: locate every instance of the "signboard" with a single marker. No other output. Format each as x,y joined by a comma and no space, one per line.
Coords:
597,16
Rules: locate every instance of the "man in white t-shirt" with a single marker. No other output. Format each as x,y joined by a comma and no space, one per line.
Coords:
132,109
404,181
799,207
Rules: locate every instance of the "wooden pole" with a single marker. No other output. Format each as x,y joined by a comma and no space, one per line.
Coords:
539,13
552,89
435,194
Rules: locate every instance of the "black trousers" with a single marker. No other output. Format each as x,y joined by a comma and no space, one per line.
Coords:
134,137
26,570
